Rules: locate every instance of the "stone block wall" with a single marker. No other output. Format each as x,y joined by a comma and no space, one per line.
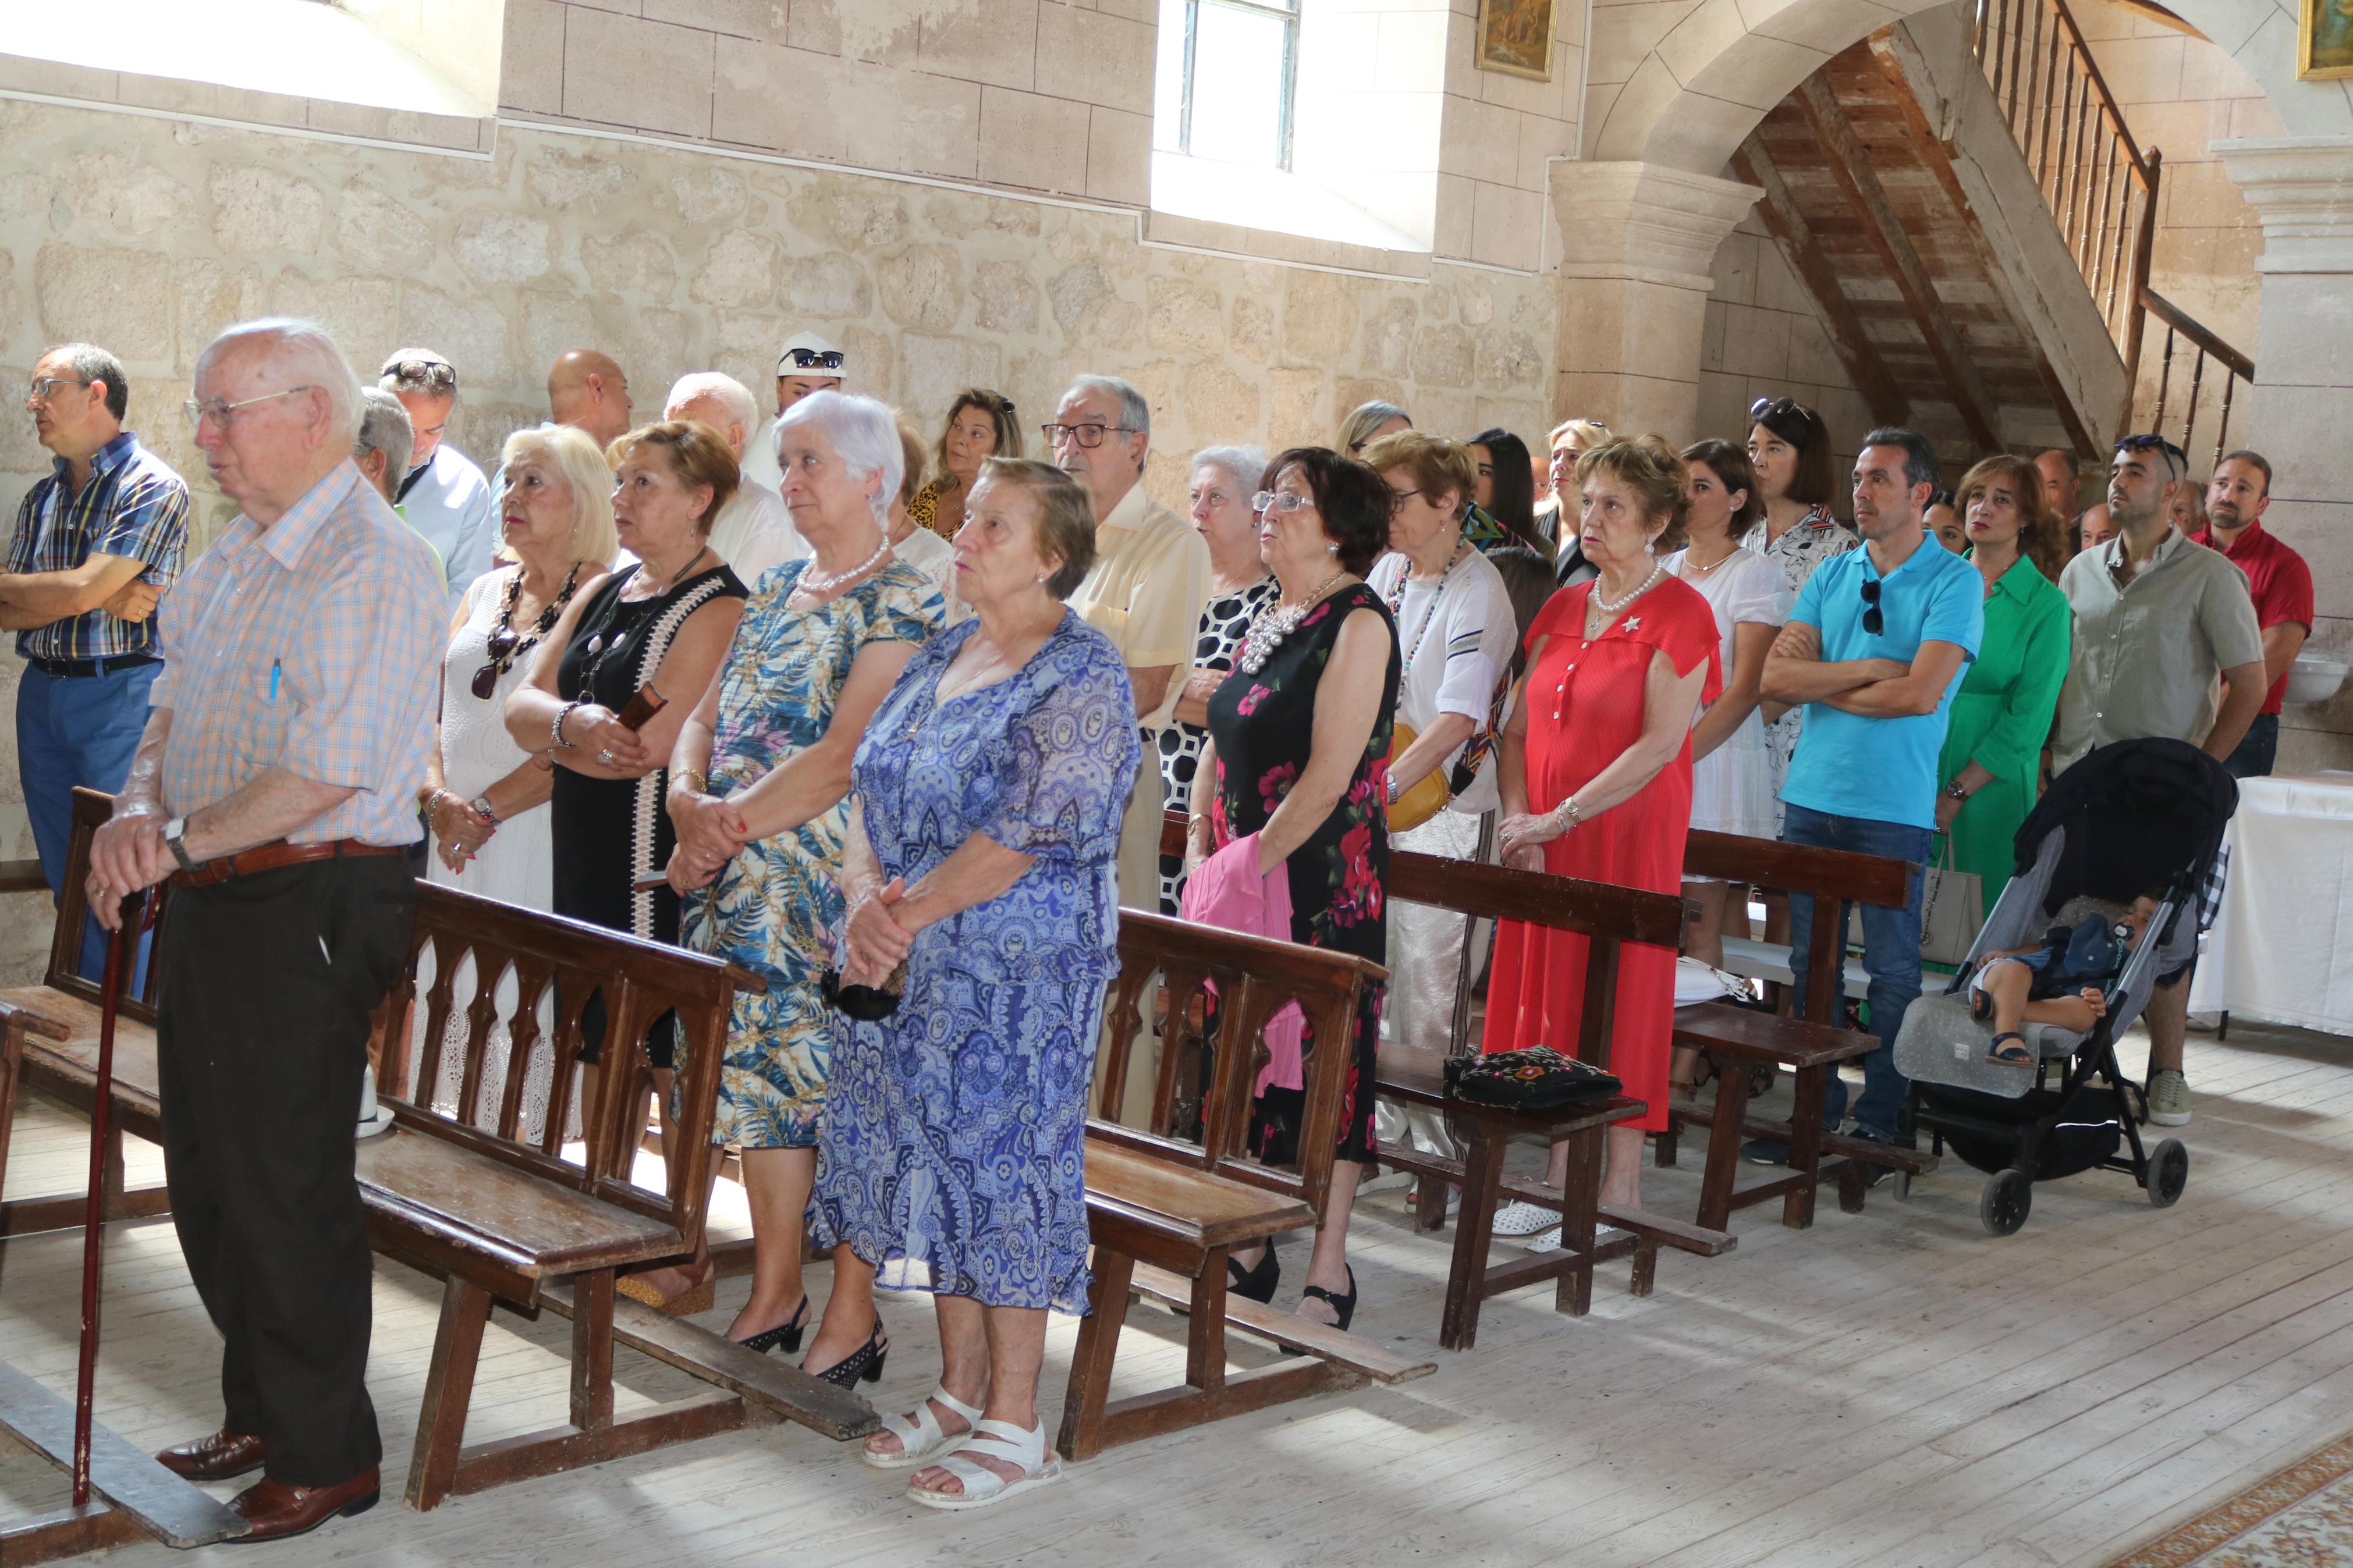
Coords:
1764,337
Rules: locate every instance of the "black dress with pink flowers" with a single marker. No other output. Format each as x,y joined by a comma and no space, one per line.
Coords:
1263,725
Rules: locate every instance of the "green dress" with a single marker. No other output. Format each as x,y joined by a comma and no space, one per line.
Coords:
2001,715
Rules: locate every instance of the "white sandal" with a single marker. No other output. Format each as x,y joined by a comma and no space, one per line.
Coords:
999,1440
921,1439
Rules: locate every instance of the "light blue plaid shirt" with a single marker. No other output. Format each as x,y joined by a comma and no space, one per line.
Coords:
313,645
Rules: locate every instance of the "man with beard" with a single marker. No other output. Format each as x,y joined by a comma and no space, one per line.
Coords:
2158,620
2280,582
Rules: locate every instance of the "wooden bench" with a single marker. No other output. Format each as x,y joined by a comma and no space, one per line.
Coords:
460,1195
1737,1038
1610,917
1165,1210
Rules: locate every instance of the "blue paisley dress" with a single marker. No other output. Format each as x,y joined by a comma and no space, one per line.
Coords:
772,908
951,1156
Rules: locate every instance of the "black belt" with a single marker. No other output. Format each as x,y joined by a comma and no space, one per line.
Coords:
83,669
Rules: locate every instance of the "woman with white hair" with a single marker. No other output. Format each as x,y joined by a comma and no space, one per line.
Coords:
1224,479
757,786
484,793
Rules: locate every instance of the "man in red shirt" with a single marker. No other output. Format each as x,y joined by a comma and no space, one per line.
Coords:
2276,576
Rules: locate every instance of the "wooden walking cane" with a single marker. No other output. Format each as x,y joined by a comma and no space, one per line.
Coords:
137,912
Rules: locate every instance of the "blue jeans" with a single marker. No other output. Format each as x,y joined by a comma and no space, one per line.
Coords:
79,729
1891,953
2257,750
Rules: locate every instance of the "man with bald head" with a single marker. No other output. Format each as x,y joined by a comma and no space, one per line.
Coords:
276,784
587,391
753,531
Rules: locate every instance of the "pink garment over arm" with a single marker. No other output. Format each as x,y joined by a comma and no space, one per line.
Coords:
1228,892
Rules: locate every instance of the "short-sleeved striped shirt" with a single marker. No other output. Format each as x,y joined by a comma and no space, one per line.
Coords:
135,507
313,645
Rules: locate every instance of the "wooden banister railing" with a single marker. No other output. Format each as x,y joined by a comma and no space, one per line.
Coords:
2101,188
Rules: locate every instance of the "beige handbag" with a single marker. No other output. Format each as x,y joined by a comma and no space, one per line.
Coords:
1952,908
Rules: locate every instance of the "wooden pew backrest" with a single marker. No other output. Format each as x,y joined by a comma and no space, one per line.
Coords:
1801,869
90,810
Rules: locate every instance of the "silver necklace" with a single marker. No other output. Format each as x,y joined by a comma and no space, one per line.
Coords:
815,582
1610,608
1430,612
1273,623
1694,566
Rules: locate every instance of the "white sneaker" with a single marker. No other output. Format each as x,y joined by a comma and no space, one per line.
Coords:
1549,1240
2168,1098
1517,1219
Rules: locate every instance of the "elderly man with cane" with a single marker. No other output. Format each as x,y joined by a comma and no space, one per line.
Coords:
276,785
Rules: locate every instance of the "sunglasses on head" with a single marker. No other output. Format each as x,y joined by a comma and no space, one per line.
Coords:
430,375
814,359
2155,444
1873,621
1775,407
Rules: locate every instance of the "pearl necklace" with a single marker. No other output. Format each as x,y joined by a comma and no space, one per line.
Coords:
1273,623
815,582
1609,607
1693,567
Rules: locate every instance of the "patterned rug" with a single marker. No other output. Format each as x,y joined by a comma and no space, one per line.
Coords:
2301,1517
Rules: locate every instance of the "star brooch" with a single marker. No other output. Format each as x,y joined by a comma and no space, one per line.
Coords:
1633,622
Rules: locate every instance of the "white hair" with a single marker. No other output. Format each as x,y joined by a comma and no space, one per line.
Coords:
721,388
384,428
1246,464
863,433
309,357
1134,410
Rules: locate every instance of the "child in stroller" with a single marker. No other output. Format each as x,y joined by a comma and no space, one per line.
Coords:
2062,980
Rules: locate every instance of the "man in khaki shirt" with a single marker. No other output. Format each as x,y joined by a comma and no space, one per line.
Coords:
1145,591
2159,620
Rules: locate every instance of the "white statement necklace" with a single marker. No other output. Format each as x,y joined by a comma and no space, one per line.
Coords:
1273,623
815,582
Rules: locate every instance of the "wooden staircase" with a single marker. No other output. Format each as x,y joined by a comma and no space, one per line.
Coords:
1965,202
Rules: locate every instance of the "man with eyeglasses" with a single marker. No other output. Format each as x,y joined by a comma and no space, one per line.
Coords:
97,540
1145,591
2158,621
445,497
1873,651
276,785
807,364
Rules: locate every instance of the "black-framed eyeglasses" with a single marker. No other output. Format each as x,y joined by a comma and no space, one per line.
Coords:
814,359
1088,437
422,374
1873,621
867,1004
1773,407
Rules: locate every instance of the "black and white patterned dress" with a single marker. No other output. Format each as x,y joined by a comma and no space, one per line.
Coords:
1222,625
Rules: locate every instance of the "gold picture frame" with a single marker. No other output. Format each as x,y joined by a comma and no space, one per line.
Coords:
2324,39
1514,37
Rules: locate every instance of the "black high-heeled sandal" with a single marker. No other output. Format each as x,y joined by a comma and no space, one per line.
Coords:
1258,1284
786,1333
865,1361
1342,1307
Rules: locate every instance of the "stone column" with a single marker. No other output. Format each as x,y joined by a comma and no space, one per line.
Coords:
1638,242
2301,407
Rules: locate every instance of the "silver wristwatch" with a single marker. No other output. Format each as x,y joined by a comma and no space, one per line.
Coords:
176,839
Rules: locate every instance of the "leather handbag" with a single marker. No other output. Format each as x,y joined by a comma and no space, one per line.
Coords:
1536,1079
1952,908
1425,799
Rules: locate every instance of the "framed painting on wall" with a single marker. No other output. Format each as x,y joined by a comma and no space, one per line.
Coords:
1516,36
2324,39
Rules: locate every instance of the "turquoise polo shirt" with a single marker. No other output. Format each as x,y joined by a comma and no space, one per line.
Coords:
1883,769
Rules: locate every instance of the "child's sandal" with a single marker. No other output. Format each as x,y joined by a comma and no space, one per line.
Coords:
2017,1054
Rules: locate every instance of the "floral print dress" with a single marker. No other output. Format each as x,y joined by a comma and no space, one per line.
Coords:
1263,725
1223,623
952,1154
772,908
1798,554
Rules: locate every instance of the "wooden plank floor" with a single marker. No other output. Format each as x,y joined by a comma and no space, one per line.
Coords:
1894,1388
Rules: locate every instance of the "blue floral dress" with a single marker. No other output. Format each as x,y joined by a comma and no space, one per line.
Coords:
772,908
952,1158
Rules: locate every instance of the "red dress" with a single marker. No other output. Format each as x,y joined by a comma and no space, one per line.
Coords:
1585,707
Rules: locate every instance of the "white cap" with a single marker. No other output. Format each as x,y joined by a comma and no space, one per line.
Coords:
801,356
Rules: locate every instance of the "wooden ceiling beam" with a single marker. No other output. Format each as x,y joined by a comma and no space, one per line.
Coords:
1799,249
1850,167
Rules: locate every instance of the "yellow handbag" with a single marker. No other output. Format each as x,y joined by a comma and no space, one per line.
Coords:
1424,800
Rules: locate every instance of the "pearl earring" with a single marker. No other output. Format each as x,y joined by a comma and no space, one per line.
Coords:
1041,579
1331,549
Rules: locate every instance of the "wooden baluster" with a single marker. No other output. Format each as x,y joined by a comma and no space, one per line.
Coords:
2134,177
2189,405
2164,380
2034,75
2051,76
1998,53
2094,272
2222,436
1978,27
2017,50
2063,190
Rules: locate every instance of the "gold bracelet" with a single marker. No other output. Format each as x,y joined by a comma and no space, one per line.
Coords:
701,784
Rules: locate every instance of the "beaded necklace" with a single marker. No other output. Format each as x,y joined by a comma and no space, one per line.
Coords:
1430,612
1274,622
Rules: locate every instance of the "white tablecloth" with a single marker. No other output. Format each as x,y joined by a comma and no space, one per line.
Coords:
2283,949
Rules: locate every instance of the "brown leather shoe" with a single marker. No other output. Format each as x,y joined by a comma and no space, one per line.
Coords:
216,1458
275,1510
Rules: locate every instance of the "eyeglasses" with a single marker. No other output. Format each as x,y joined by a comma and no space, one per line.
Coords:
1873,623
1774,407
422,374
1281,500
1090,437
44,389
2180,458
813,359
222,414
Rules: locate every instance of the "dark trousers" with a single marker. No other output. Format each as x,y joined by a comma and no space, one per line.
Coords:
262,1040
2257,750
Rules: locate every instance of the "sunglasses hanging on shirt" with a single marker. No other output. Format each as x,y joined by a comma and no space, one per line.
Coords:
1873,621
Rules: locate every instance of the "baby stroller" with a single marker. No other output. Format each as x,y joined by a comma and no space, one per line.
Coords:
2128,818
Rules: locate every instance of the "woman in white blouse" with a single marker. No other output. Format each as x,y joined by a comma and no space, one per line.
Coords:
484,795
1732,774
1456,635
